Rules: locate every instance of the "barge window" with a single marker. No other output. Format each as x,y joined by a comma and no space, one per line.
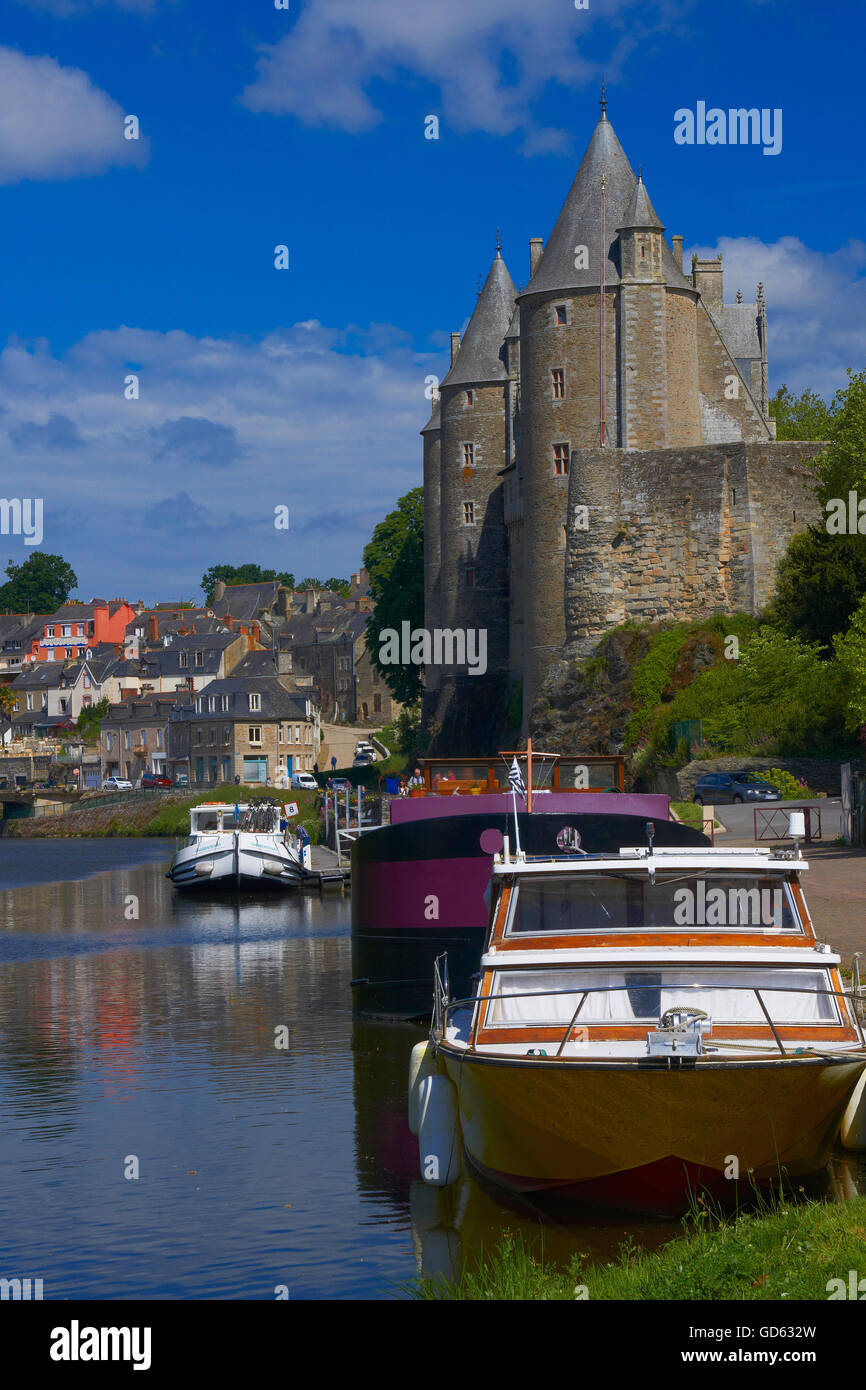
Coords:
638,996
713,902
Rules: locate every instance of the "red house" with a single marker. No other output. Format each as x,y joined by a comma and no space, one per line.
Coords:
77,626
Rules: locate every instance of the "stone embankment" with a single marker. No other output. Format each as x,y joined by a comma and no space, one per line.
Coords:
119,818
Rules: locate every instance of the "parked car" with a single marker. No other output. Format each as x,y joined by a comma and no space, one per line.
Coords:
364,747
722,788
117,784
364,759
304,782
339,784
154,779
181,779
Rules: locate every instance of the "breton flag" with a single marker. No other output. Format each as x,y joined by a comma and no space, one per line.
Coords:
516,781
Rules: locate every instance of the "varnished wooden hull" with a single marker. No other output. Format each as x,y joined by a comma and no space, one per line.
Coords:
644,1138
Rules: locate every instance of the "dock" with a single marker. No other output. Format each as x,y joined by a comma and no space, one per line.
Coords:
326,873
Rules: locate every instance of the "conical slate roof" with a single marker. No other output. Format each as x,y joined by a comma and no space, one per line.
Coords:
579,222
481,354
435,421
640,211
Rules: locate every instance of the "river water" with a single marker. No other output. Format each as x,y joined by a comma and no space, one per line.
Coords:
190,1111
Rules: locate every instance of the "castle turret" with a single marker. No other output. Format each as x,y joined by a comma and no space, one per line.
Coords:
474,569
642,335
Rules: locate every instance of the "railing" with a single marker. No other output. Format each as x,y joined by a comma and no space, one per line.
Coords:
769,828
443,1008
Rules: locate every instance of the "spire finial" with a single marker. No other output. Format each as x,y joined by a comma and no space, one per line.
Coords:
640,173
603,101
498,240
739,296
760,290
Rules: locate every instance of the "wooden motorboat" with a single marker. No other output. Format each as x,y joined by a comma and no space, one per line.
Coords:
646,1025
240,845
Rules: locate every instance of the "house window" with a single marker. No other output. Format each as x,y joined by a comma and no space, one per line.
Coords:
255,701
126,738
183,658
561,316
254,733
87,682
377,704
470,397
468,513
560,460
225,699
49,632
143,739
558,381
212,703
297,733
198,735
67,629
468,455
159,738
63,706
198,704
199,658
109,741
227,733
211,735
29,701
470,575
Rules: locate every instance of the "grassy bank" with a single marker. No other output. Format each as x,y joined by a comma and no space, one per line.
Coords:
784,1251
168,816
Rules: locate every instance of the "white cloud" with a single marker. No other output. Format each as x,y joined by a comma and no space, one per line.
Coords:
816,305
55,124
322,420
491,59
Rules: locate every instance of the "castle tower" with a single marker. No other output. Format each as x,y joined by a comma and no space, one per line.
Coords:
473,453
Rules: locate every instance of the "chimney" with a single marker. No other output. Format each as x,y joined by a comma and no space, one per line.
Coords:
310,597
229,622
153,628
219,590
536,249
707,279
255,634
678,251
455,344
355,581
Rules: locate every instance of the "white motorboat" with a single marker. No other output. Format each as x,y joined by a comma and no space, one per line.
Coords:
248,844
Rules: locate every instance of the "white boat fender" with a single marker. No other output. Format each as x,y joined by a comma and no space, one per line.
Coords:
422,1063
439,1132
853,1132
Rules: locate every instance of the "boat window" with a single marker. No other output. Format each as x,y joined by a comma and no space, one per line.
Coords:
643,995
713,902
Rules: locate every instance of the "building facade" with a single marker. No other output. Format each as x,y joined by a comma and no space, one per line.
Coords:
601,448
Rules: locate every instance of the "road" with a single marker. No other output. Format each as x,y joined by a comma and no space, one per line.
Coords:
339,741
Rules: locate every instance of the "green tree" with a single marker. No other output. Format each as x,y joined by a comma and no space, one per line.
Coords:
806,416
89,719
342,587
40,584
241,574
394,559
850,649
822,576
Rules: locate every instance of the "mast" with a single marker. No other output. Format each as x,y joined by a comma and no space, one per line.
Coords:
529,776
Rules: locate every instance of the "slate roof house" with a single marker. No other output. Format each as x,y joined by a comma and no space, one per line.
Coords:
254,728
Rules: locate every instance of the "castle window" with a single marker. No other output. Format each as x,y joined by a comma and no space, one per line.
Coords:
733,496
468,513
470,573
558,381
560,460
468,455
561,316
470,397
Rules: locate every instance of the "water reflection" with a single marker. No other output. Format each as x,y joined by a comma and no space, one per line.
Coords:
156,1037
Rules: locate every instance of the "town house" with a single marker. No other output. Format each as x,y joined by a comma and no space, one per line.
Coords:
254,728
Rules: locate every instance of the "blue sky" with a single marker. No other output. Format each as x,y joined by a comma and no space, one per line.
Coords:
305,127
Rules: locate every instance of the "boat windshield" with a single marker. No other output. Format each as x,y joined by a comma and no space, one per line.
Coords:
713,901
726,995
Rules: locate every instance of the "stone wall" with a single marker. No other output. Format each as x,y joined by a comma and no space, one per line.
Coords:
679,533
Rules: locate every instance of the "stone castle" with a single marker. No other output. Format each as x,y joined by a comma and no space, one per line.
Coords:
601,448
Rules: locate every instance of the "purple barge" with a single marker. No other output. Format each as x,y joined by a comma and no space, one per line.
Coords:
419,884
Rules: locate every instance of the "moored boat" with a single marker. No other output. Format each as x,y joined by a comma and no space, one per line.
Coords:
647,1024
248,844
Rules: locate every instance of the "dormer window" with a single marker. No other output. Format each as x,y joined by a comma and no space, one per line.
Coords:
255,700
199,658
183,658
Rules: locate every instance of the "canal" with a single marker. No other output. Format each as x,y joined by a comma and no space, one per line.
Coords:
190,1111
